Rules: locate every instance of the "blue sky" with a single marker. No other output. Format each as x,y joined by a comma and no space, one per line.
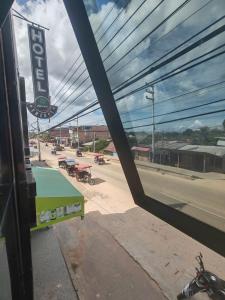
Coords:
123,34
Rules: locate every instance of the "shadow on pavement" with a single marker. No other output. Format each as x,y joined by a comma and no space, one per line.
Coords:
98,180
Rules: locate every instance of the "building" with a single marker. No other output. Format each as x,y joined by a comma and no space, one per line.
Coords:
88,133
141,153
111,150
68,135
199,158
220,141
60,135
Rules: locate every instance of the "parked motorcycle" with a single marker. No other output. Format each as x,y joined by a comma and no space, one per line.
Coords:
204,281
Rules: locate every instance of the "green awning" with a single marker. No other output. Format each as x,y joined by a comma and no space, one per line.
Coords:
57,199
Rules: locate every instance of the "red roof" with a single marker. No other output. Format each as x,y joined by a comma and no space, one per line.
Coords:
83,166
110,147
141,149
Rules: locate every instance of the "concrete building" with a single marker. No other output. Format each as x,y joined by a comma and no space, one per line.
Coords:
68,135
88,133
61,135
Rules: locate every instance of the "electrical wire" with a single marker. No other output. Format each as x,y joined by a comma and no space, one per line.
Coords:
100,25
124,24
178,119
176,111
70,68
169,60
70,103
148,34
170,51
110,25
164,75
175,97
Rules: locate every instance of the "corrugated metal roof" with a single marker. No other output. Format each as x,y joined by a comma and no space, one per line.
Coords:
141,149
173,145
182,146
214,150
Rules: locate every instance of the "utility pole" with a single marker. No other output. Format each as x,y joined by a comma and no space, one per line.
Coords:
60,136
94,142
39,145
150,92
78,142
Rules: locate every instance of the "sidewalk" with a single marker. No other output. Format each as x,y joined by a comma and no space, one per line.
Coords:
51,277
179,171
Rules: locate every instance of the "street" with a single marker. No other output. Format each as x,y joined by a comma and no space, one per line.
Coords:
203,199
162,252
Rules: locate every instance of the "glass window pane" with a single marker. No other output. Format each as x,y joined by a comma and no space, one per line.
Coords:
165,64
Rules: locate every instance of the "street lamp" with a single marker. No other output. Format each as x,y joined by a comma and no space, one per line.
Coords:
150,96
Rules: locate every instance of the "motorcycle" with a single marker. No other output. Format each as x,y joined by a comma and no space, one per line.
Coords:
204,281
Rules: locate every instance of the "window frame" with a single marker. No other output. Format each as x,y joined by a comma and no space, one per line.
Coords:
200,231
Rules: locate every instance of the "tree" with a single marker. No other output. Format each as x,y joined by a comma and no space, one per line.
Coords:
188,132
100,145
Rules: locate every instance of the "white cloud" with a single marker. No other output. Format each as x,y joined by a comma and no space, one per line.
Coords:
62,48
196,125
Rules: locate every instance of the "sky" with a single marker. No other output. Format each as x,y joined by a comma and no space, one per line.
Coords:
62,49
132,35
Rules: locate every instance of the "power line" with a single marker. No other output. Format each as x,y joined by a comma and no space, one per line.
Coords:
176,97
136,79
139,24
148,34
169,75
157,26
169,60
166,76
170,51
178,119
110,25
117,32
165,34
77,78
100,25
22,17
106,17
70,68
178,110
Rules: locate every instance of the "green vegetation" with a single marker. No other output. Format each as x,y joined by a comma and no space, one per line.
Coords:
202,136
100,145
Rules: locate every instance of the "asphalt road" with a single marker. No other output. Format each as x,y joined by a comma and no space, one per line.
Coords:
200,198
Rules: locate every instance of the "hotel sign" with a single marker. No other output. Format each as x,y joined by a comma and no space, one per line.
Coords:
41,107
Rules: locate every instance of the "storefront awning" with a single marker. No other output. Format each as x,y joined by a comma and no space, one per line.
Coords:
57,199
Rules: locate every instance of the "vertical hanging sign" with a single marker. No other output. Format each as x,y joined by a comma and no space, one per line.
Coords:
41,107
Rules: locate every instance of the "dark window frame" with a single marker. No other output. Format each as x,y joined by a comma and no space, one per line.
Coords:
14,188
202,232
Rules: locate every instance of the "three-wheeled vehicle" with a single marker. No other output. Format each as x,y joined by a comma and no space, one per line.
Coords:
99,159
62,161
71,166
83,173
79,153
